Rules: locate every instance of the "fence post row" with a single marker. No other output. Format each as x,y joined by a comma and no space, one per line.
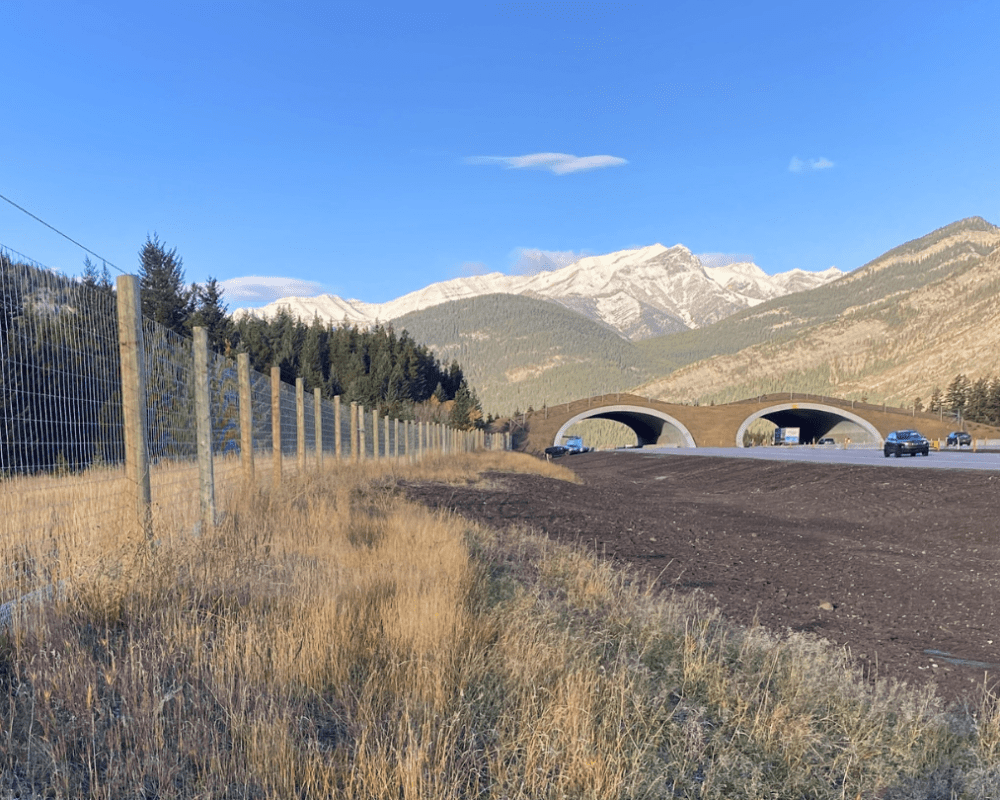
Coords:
410,439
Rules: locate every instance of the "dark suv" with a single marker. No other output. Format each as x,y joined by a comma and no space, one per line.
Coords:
900,443
959,439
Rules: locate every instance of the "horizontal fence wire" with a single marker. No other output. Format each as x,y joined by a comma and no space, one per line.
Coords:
289,430
61,432
171,430
224,400
309,422
328,425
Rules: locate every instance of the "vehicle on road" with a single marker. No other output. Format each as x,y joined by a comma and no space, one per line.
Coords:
570,445
786,436
959,439
826,440
574,444
906,442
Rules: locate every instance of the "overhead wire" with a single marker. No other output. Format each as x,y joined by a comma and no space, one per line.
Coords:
68,238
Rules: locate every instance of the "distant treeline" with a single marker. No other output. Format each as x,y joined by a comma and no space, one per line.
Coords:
975,401
59,363
377,368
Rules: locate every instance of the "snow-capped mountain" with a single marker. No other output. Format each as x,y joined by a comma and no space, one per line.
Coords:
640,293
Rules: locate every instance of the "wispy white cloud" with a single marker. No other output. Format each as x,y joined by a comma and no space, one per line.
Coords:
724,259
531,261
559,163
262,289
808,165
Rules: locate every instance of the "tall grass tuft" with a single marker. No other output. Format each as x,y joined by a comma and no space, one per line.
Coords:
329,639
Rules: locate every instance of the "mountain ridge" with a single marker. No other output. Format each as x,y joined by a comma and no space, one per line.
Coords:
640,293
906,322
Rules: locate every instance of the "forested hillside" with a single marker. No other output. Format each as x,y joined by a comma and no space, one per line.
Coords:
521,352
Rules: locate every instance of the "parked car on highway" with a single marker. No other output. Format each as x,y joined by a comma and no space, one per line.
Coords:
959,439
907,442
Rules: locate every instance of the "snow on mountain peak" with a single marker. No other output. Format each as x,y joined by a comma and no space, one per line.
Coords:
640,292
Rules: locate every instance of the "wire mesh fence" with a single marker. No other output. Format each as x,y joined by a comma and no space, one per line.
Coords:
60,416
64,450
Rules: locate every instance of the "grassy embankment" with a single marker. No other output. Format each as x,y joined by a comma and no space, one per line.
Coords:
331,640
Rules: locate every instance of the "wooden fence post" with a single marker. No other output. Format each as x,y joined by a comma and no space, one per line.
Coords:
300,423
203,421
130,348
276,425
375,436
318,413
246,416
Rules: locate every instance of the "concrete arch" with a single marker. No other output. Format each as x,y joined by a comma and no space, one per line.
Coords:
816,420
650,425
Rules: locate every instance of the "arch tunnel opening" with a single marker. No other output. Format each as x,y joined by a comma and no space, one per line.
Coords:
815,422
650,427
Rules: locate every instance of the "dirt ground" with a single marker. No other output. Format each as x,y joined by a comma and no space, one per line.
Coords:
901,566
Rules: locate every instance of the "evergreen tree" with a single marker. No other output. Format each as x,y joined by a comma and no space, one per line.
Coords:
957,394
977,400
466,411
210,314
94,279
314,358
993,406
165,298
935,403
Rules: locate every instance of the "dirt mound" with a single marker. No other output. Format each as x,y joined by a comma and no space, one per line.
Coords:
901,566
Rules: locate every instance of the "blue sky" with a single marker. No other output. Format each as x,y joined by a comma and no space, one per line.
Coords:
369,151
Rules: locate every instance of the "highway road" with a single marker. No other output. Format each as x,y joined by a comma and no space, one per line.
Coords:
943,459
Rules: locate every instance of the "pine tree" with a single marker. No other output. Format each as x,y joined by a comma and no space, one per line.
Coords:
165,298
957,394
210,314
94,279
935,404
466,411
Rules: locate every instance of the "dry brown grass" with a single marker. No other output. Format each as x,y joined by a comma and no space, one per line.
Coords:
328,639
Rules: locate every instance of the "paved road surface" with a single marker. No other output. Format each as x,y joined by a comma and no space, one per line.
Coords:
944,459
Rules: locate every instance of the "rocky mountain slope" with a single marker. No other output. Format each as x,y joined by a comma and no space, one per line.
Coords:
639,293
893,330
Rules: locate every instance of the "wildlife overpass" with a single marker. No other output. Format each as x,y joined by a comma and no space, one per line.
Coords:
658,423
